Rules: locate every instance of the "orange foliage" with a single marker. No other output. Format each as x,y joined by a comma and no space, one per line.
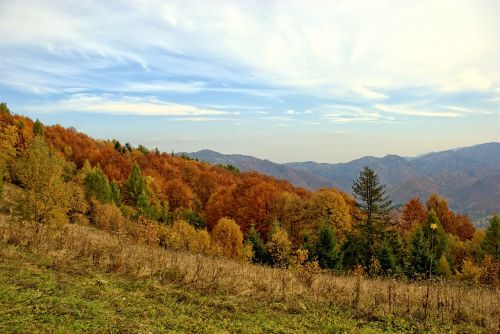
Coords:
465,229
445,215
413,214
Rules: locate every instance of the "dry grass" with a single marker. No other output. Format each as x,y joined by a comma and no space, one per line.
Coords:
439,301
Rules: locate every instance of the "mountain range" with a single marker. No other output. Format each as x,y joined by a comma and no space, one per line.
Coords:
469,178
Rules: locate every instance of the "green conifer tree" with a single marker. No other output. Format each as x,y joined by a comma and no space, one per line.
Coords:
97,186
491,242
328,256
38,128
115,193
386,259
2,186
260,251
371,199
136,186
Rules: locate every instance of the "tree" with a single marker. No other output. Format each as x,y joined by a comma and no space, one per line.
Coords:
386,259
2,187
8,139
444,214
491,241
261,254
136,184
465,229
45,198
227,238
326,251
4,108
279,247
413,214
371,199
353,251
115,193
428,244
38,128
97,186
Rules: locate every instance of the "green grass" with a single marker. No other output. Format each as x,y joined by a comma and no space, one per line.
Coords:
38,297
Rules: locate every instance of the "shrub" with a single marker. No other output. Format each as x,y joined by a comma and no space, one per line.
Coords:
470,273
227,238
107,216
280,247
490,271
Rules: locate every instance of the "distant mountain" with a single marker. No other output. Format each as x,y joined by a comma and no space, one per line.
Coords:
296,176
468,177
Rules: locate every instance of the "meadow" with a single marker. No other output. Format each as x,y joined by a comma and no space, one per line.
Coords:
81,279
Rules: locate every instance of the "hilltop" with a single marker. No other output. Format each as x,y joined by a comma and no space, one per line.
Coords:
460,175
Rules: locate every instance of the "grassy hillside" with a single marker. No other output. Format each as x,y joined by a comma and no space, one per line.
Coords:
84,280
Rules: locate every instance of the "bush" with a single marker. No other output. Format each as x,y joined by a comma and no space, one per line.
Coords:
279,247
470,273
107,217
227,238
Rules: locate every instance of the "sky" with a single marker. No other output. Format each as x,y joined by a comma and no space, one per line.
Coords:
328,81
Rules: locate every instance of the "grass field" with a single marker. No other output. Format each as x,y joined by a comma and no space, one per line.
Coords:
52,283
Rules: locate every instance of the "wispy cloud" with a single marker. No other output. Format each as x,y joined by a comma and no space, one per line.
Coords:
380,44
369,94
123,105
412,111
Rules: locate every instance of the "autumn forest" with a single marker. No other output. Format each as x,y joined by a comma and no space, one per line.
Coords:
57,176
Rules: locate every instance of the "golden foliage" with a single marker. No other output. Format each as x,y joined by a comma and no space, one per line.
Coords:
107,216
46,196
280,247
470,273
227,238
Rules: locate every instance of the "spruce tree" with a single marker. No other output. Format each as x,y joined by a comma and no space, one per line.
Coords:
491,241
38,128
428,244
387,259
260,252
373,202
328,256
136,186
2,186
115,193
97,186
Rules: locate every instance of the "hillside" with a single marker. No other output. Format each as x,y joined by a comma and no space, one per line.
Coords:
456,174
83,280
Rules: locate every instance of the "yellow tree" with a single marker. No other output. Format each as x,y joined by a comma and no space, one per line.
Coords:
329,206
227,238
46,196
8,140
279,247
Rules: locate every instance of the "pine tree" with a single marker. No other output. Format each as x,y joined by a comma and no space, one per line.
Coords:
4,108
136,185
38,128
115,193
328,256
353,251
97,186
386,259
420,257
2,186
261,254
371,199
427,246
491,241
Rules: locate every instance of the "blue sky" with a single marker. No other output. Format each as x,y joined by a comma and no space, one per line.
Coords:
328,81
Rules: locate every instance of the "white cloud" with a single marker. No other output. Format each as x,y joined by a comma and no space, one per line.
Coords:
414,111
326,49
369,94
123,105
